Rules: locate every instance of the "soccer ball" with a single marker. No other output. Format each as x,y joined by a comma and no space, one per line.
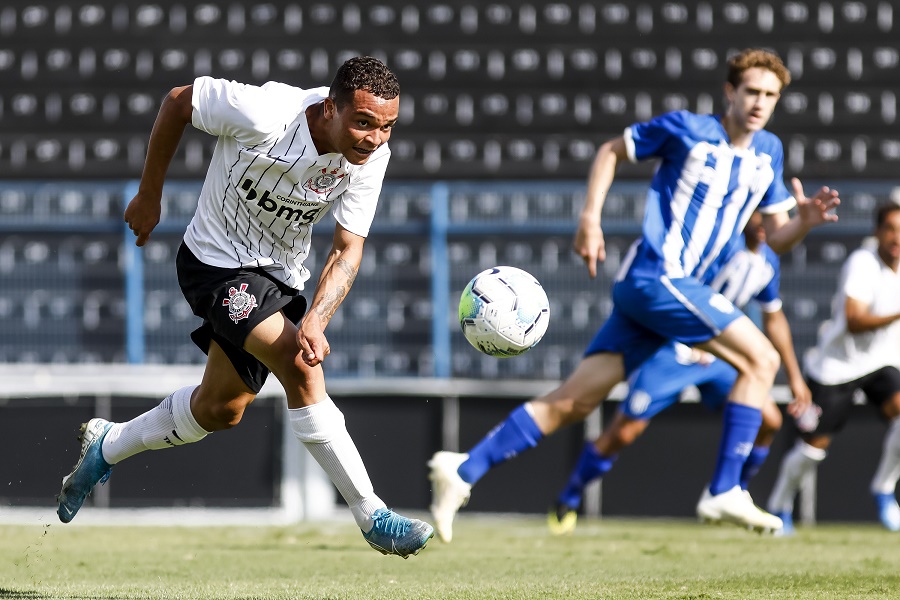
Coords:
504,311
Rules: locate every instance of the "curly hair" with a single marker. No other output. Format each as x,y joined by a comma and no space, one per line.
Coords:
363,73
757,57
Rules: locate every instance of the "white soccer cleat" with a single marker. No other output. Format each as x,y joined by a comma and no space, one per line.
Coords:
449,492
737,507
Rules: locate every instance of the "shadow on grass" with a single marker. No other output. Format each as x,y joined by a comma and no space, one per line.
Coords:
22,594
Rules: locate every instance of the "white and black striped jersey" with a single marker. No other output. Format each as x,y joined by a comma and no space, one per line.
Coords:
267,185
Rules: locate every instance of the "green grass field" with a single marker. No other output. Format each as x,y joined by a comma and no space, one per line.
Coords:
491,558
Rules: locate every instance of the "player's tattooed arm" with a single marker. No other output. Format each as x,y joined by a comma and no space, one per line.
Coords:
335,281
345,274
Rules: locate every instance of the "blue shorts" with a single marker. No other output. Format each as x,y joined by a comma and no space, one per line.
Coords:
658,383
648,312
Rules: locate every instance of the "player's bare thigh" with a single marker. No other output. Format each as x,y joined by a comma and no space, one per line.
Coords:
571,402
274,343
222,396
748,350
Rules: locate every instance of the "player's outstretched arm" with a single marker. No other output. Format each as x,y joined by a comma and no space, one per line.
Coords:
143,212
778,330
783,233
589,243
334,284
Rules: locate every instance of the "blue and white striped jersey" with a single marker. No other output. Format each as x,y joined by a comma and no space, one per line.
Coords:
746,276
703,192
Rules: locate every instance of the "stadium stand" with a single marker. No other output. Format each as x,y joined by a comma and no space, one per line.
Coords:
572,69
493,92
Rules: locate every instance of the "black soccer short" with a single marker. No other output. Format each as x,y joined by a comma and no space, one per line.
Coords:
835,401
231,303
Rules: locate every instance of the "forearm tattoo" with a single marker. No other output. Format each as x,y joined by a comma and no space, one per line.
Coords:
333,298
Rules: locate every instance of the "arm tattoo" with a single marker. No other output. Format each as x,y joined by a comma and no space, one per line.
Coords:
332,299
348,269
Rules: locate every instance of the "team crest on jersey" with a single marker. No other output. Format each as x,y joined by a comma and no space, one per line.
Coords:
324,181
239,303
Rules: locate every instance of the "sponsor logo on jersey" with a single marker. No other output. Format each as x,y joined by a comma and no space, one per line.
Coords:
324,181
300,213
239,303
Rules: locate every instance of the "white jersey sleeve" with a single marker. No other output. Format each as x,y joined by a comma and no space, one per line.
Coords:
861,276
250,114
356,208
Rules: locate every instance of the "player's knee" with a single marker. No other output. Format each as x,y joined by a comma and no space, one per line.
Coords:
580,410
565,410
229,417
764,364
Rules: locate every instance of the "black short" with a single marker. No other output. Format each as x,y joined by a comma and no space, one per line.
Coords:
835,401
231,303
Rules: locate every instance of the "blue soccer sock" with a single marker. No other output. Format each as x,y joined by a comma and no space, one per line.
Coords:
740,424
757,457
517,433
591,465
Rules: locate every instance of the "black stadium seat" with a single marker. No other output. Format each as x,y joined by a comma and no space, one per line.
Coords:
550,78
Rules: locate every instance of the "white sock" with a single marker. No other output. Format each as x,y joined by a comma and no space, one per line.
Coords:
169,424
322,430
885,480
799,461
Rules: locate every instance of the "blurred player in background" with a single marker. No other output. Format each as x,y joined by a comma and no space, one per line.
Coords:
858,349
715,170
751,273
285,157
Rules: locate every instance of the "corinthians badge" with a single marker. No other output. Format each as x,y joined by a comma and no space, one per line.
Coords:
324,181
239,303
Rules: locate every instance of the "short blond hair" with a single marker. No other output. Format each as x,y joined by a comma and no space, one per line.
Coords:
757,57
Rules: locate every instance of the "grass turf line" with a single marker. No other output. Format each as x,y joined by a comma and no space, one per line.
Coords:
490,558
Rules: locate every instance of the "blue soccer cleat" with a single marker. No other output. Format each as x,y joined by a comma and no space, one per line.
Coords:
787,520
395,534
90,469
888,511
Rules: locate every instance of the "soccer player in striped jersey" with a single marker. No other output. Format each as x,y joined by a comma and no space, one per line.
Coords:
751,273
284,158
714,171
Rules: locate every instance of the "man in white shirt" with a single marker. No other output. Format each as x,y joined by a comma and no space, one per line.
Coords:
858,349
285,156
